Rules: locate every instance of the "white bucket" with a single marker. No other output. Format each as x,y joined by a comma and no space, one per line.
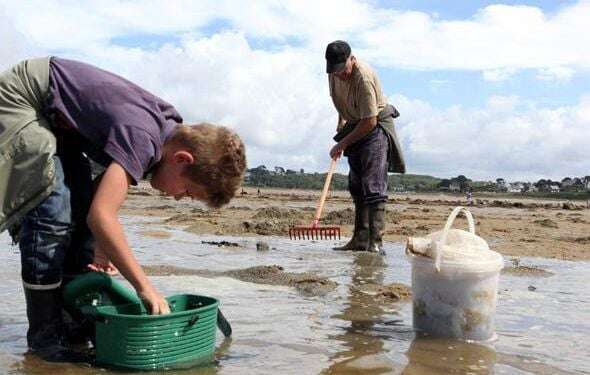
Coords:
455,283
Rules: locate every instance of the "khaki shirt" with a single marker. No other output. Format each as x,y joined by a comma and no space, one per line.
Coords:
359,97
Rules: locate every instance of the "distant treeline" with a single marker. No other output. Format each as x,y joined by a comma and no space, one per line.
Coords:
290,179
259,177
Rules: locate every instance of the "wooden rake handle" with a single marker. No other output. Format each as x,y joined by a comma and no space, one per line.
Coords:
318,211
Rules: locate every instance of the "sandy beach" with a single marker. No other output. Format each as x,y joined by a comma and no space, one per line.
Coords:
514,227
298,307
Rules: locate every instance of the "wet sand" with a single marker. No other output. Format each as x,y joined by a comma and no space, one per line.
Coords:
307,283
300,308
514,227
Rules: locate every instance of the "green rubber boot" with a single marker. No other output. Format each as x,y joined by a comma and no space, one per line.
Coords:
360,237
377,227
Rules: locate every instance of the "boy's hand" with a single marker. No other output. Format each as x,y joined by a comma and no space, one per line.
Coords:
155,303
102,263
109,268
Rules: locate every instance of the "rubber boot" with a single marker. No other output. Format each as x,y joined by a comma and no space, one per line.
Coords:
44,336
360,237
78,329
377,227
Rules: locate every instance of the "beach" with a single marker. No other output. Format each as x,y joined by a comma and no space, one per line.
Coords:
514,227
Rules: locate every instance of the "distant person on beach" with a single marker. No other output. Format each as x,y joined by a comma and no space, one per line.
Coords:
366,135
469,198
55,114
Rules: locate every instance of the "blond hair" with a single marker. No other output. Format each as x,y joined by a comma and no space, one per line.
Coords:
220,159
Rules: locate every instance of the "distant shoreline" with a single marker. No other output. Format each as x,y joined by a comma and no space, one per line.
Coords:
515,227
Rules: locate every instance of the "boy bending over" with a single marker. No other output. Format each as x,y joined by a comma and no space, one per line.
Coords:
55,114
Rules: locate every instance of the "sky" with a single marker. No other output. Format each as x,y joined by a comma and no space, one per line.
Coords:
485,89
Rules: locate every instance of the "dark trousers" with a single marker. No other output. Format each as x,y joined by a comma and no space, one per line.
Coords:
54,239
368,161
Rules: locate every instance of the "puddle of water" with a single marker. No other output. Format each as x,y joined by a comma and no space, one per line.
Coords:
279,330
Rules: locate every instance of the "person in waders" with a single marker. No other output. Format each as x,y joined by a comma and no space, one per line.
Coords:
366,135
55,114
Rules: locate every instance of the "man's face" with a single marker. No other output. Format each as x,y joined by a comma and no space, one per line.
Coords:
346,72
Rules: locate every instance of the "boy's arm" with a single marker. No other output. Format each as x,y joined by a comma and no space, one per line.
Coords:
104,223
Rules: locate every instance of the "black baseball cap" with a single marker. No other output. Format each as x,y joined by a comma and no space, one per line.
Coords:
337,53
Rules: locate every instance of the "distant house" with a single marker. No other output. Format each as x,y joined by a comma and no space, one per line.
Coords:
516,187
554,188
279,170
455,186
398,188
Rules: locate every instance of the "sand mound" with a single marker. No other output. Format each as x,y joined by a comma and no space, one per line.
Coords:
395,292
341,217
156,233
270,221
346,217
278,213
267,228
165,270
196,213
307,283
546,223
527,271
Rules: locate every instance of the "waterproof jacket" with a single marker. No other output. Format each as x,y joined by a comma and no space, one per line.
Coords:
27,171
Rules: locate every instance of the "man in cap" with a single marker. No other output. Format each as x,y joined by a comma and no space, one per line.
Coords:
367,137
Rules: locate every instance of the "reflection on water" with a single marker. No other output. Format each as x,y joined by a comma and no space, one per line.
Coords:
362,344
277,330
438,356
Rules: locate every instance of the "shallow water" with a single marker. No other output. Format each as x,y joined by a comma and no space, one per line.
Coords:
277,330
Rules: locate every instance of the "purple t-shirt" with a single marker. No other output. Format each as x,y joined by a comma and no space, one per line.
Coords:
114,115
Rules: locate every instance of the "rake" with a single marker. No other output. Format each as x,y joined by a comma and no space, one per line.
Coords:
315,231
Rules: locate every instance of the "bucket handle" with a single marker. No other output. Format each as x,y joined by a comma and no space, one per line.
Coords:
438,247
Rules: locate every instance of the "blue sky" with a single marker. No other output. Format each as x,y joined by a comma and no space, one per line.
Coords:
461,9
485,89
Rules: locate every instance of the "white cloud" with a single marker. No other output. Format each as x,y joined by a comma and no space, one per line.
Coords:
499,74
15,46
503,104
507,138
498,40
277,101
277,98
557,73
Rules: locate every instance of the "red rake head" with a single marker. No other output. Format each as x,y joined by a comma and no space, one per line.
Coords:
314,233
